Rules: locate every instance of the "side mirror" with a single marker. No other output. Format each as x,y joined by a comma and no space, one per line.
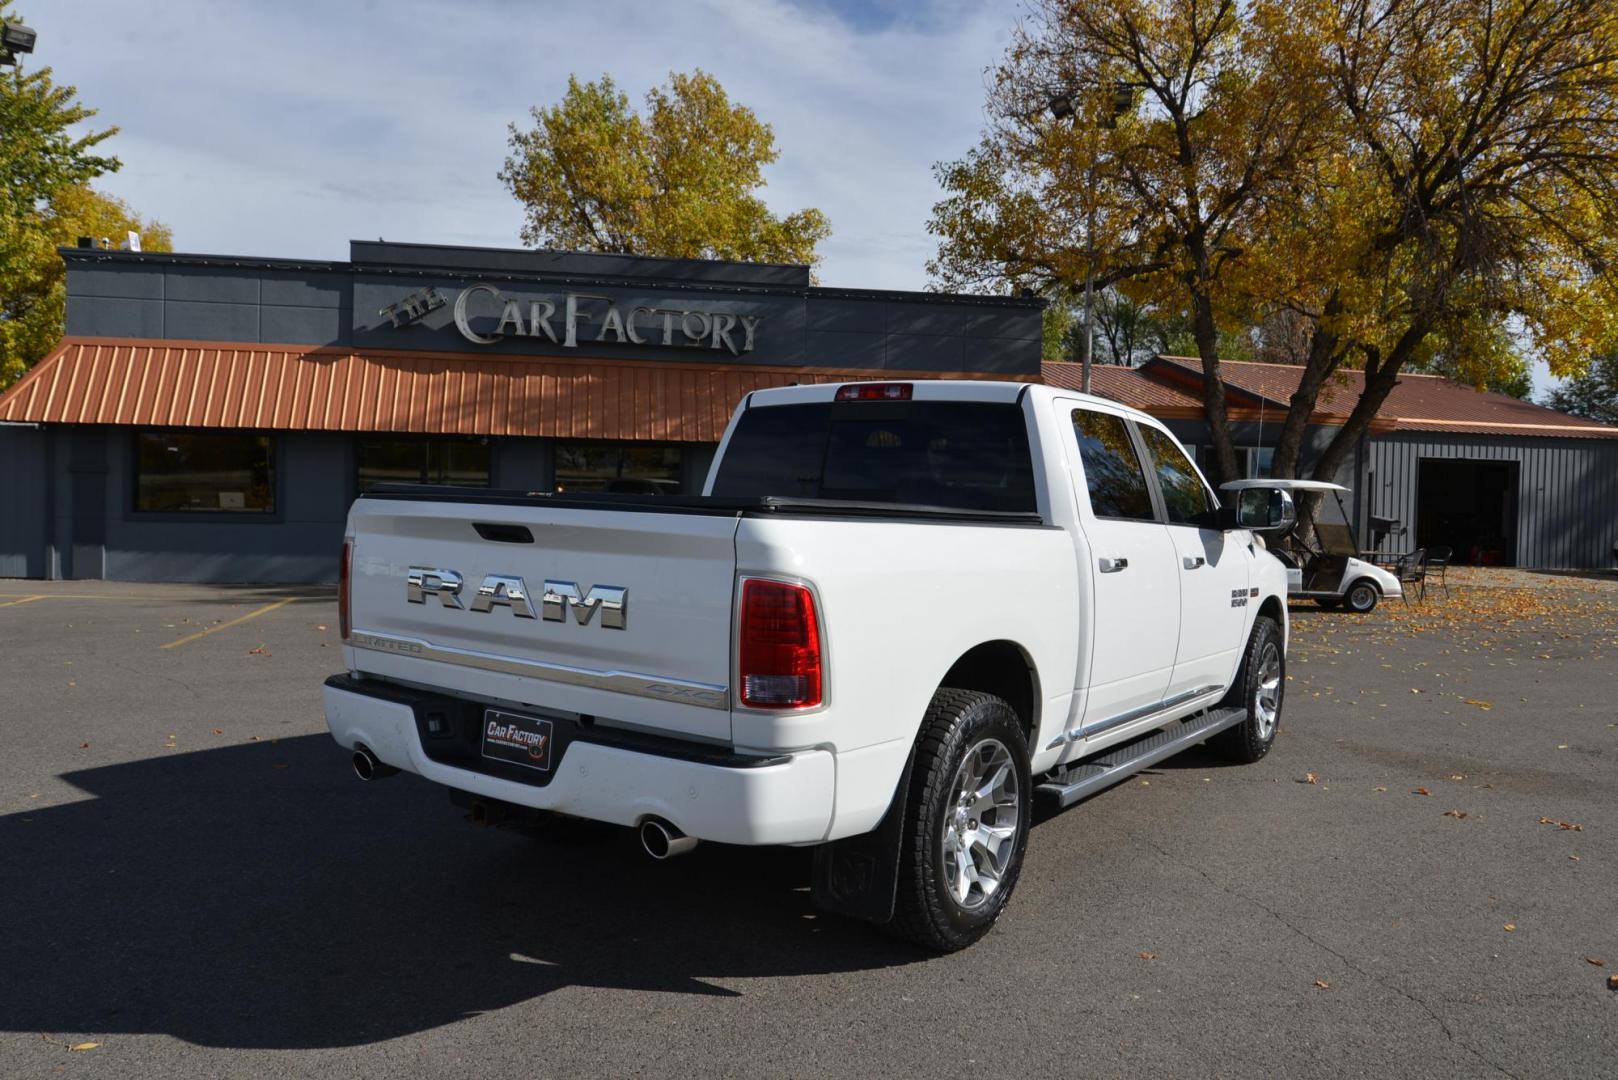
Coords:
1262,510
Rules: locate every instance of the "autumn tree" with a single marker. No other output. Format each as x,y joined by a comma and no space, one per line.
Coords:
1475,197
1188,116
46,161
680,180
1385,185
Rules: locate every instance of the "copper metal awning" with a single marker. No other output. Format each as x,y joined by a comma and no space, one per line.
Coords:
303,388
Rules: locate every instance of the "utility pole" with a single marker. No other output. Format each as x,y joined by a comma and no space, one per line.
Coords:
1064,106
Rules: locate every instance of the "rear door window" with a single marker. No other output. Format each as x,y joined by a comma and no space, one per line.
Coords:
959,455
1112,469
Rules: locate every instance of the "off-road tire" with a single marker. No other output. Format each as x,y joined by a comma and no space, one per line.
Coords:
1361,597
926,911
1251,739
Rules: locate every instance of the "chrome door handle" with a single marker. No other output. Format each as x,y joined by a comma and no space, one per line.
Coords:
1192,562
1112,566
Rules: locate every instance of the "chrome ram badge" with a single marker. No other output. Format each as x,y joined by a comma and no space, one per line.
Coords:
501,590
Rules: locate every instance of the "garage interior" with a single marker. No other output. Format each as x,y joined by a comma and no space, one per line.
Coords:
1469,506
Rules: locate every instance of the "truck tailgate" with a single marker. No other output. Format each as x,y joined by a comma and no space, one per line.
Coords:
667,669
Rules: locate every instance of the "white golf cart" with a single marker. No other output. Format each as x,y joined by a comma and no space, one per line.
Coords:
1323,563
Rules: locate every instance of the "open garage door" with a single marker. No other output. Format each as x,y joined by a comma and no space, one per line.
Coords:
1469,506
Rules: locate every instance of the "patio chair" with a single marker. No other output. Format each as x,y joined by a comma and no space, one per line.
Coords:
1411,570
1438,558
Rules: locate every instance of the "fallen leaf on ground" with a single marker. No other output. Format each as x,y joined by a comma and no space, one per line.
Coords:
1612,982
1309,778
1458,815
1570,826
1480,704
218,731
1458,776
1593,960
1510,927
1574,858
84,746
1322,984
1379,789
1421,791
260,651
1147,955
83,1046
321,627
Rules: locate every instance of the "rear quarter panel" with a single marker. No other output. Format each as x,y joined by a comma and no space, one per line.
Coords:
899,603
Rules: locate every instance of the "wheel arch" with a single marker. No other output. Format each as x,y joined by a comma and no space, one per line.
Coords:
1002,668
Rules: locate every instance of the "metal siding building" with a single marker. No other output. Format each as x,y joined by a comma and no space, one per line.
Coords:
211,418
1500,481
1566,513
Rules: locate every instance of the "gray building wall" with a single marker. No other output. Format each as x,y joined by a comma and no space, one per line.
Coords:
213,298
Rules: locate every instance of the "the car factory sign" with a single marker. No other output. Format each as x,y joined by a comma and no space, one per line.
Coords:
576,318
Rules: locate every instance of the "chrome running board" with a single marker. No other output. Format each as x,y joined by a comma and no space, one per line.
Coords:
1070,783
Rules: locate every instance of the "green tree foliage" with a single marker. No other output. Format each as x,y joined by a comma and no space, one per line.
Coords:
679,180
1593,394
45,201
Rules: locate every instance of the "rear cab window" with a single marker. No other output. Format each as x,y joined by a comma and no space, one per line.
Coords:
953,454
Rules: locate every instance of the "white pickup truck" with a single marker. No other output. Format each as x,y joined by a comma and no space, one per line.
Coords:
899,613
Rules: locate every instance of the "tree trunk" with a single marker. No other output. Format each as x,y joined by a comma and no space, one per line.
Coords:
1381,375
1206,332
1325,354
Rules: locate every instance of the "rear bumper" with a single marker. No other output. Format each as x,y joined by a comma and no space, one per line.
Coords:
781,800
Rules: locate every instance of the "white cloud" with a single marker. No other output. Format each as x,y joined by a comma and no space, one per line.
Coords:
289,128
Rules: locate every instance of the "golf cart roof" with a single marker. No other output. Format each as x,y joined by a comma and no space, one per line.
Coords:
1284,485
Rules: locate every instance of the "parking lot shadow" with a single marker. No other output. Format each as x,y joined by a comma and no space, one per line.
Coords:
259,896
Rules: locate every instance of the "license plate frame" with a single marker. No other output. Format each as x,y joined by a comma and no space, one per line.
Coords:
514,738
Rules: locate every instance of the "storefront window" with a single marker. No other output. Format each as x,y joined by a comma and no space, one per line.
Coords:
463,462
204,472
630,468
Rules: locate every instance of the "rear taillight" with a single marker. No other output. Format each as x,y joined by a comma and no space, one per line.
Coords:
880,391
344,590
780,646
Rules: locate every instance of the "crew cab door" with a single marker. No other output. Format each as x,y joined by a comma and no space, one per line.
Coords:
1133,570
1213,567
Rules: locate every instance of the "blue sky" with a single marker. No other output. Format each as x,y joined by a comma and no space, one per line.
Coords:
288,128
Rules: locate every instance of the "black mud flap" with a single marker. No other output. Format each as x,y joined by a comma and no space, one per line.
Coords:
858,876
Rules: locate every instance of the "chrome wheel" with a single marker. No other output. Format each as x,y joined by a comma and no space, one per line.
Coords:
1267,696
980,824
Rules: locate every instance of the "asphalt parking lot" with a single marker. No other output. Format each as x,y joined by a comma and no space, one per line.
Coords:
1421,880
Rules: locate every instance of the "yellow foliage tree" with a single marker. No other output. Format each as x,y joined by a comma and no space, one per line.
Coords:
1395,180
679,181
38,295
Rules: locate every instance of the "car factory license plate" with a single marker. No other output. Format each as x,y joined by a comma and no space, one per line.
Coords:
521,740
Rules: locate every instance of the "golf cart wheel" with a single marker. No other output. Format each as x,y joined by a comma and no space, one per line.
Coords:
966,821
1362,596
1260,689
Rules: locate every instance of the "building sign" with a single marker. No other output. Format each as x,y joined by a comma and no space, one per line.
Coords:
413,307
588,318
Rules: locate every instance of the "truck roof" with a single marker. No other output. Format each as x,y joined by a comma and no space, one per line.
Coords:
985,390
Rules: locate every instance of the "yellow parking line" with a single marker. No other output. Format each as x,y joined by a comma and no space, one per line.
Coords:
24,600
234,622
65,596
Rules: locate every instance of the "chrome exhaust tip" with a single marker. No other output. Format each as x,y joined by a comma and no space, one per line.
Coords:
367,767
662,840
